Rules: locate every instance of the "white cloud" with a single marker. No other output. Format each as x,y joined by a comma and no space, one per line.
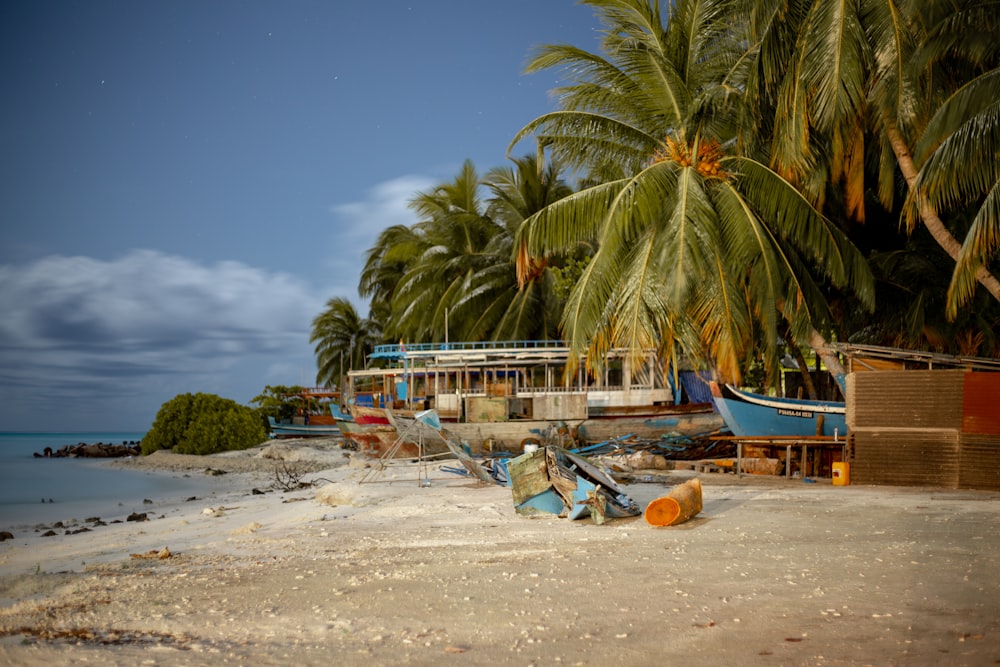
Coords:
359,223
78,329
385,204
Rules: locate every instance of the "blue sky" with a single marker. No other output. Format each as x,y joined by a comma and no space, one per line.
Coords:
184,184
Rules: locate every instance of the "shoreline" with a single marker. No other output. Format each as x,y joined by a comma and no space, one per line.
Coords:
202,476
771,572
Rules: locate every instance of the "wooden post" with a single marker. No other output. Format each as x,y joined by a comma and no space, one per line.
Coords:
803,472
739,459
788,461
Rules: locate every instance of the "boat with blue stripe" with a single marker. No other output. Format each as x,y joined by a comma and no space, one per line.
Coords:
748,414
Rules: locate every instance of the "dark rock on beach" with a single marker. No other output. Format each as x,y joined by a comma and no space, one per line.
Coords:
100,450
5,535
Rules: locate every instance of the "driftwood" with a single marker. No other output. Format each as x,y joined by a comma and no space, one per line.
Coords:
682,503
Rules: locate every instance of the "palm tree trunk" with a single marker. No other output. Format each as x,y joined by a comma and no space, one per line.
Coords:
826,354
829,358
807,380
929,216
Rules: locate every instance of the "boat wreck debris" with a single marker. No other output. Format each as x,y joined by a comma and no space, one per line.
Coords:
426,432
552,480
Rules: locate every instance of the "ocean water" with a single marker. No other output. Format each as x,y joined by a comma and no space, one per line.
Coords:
77,488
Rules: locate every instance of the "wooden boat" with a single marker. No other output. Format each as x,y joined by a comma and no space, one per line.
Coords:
749,414
289,429
501,395
319,416
755,415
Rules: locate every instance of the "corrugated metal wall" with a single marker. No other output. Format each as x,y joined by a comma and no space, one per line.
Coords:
925,428
981,403
906,457
980,432
906,399
979,456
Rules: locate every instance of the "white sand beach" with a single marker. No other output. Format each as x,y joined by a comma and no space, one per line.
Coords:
772,572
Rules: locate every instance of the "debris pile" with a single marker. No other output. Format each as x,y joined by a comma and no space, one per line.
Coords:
630,453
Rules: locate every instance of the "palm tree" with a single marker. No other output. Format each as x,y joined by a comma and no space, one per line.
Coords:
911,290
907,86
395,251
529,308
700,244
449,246
452,274
342,339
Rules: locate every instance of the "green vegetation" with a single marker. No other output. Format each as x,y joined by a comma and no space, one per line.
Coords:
342,339
279,401
203,424
754,177
701,245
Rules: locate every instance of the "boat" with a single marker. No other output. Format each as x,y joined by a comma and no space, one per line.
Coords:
755,415
319,415
748,414
501,395
288,429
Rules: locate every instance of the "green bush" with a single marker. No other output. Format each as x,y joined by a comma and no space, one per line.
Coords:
203,424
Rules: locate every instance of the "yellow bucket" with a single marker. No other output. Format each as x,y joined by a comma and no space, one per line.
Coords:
841,474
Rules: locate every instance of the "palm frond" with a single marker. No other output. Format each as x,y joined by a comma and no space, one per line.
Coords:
797,222
580,139
977,97
836,52
980,248
562,224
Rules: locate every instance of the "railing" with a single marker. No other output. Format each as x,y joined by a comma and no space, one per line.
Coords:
315,391
399,349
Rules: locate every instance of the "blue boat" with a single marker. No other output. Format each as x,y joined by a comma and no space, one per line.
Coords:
286,429
319,416
748,415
